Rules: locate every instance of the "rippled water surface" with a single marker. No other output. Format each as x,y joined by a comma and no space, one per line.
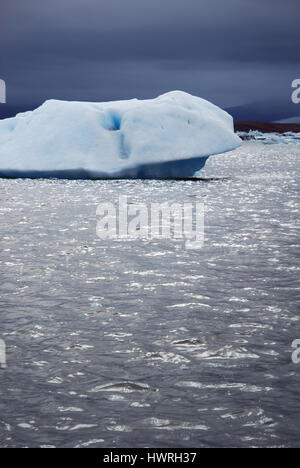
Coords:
145,343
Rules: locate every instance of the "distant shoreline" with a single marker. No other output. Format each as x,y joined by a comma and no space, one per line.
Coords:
266,127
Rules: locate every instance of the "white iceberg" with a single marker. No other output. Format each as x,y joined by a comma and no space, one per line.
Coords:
170,136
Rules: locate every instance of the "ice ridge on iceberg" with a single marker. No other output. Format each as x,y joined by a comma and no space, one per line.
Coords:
170,136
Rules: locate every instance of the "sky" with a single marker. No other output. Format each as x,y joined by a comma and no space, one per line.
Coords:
240,54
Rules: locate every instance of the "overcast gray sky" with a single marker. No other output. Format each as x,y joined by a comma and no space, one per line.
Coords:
240,54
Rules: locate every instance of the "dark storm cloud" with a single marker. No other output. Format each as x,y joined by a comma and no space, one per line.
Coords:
245,50
137,29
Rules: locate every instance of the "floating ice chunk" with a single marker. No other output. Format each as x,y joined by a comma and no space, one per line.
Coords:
170,136
272,138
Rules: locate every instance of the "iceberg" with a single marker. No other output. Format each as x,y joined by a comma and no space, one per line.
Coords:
168,137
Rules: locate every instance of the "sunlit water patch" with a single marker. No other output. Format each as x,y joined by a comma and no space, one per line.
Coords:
145,343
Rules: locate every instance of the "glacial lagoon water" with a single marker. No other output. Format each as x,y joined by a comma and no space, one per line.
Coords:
113,343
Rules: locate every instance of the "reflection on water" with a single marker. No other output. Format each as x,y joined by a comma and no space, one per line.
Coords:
121,344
